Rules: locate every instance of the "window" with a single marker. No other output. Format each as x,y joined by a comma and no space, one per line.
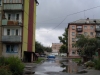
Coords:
8,31
13,30
73,52
73,33
16,31
73,39
73,27
0,2
11,48
85,27
85,33
97,26
91,27
17,16
73,46
9,16
91,33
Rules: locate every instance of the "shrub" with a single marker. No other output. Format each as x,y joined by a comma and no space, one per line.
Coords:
4,71
12,64
15,65
97,64
89,64
2,61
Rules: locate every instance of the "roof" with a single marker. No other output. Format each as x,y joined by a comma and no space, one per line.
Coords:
84,21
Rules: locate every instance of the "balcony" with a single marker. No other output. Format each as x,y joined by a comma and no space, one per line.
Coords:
6,22
97,29
14,39
9,7
79,30
97,35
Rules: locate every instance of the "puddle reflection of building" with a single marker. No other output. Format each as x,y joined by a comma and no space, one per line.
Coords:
72,67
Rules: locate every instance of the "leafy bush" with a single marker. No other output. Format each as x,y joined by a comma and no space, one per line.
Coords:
97,64
4,71
12,64
15,65
2,61
89,64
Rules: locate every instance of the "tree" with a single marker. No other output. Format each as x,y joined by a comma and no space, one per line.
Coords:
39,48
64,39
63,49
47,49
87,46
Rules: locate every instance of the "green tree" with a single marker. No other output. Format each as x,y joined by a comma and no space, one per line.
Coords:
87,46
39,48
63,49
47,49
64,39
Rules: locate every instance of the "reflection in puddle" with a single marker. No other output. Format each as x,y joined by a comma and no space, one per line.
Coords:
71,67
48,67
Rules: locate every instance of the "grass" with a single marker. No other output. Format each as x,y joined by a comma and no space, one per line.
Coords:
77,60
39,60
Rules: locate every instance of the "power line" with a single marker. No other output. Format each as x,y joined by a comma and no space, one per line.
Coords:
73,14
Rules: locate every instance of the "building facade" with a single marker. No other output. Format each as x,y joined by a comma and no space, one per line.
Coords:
56,47
18,29
87,27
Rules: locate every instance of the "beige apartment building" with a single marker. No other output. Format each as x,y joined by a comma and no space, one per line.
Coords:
56,47
87,27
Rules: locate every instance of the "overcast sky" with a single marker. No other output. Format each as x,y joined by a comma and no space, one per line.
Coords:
50,13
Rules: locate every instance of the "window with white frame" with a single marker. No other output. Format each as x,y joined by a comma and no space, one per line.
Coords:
85,33
85,27
13,32
13,17
11,48
73,27
73,33
92,27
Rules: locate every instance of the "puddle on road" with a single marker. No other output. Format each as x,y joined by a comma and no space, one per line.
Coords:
55,67
50,66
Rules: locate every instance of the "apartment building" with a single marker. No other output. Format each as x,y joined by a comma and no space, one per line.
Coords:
18,29
56,47
87,27
0,26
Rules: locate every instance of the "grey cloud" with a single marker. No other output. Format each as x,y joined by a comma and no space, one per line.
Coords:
51,12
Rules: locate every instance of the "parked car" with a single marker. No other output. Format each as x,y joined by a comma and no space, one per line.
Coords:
51,56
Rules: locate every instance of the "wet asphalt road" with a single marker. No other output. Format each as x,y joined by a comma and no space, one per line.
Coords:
50,67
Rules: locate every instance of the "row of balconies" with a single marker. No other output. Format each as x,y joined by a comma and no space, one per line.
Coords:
80,29
5,22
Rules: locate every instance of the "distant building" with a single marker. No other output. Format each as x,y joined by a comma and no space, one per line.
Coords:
56,47
17,28
87,27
